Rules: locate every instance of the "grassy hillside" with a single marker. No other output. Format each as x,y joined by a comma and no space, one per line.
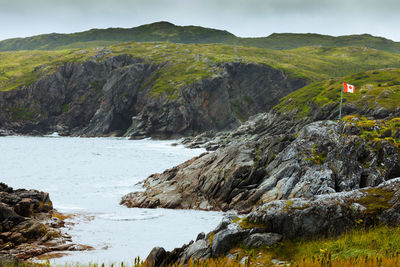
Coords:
378,246
379,88
164,31
190,62
156,32
283,41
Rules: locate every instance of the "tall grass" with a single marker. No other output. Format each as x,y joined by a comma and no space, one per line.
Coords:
378,246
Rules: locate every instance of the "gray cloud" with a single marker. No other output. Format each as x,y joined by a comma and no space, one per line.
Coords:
241,17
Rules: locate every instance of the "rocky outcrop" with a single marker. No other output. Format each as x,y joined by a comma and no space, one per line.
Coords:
273,160
115,96
27,227
268,224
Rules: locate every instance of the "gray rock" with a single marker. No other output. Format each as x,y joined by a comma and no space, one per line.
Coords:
319,216
226,239
156,257
198,250
266,164
262,239
201,236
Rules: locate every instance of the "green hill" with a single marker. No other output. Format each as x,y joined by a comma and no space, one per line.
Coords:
167,32
155,32
190,62
374,89
294,40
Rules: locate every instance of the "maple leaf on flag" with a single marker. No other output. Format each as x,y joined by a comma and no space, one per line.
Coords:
348,88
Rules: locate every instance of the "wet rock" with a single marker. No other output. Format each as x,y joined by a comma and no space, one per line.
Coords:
26,228
25,207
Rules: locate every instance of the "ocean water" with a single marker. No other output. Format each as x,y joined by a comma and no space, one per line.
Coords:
88,177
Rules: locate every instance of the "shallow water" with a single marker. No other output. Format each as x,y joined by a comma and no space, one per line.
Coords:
88,176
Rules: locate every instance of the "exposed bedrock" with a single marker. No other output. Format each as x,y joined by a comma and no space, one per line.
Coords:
297,218
274,159
116,97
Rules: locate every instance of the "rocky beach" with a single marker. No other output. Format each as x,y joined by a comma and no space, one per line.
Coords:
30,227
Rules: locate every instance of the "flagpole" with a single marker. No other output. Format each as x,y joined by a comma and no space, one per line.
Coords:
341,101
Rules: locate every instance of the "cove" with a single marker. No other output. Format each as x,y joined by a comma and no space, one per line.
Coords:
88,176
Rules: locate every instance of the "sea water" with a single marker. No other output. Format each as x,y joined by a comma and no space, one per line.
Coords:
88,177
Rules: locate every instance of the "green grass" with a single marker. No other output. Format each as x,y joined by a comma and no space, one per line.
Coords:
24,67
361,242
373,131
355,245
282,41
374,89
188,63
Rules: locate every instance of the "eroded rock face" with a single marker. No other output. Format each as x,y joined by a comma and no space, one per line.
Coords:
27,228
267,164
321,215
114,97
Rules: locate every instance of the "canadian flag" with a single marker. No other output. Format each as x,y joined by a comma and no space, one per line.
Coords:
348,88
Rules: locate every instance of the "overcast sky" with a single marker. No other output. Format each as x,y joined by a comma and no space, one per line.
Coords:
246,18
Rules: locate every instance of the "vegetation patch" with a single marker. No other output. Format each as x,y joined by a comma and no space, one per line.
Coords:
376,199
376,131
378,246
21,114
374,90
245,223
317,158
65,108
189,63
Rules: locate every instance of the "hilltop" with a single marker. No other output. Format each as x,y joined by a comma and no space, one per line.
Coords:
191,62
168,32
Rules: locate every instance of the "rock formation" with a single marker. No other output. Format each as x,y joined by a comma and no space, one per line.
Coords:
268,159
27,227
114,97
268,224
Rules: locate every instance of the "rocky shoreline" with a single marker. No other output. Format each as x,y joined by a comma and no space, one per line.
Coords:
29,226
322,157
289,178
268,224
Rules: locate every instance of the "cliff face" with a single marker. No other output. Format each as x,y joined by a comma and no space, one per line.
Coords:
115,96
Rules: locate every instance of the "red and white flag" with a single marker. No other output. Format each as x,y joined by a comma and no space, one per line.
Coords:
348,88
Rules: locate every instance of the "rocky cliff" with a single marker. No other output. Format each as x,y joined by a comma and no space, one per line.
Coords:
113,97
